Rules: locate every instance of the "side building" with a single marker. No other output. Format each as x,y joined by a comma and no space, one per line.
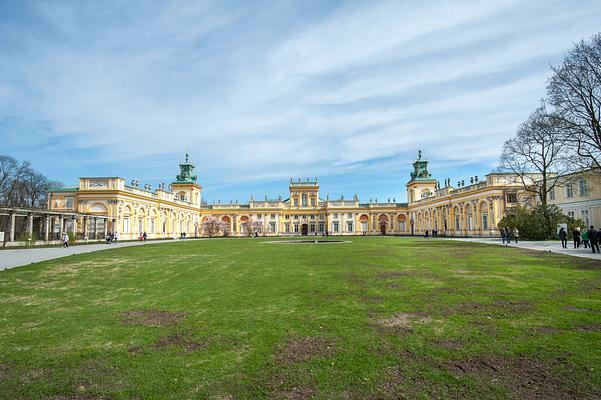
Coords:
111,205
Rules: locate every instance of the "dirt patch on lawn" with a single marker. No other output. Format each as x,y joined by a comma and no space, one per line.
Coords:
590,328
581,310
372,299
77,397
152,318
391,274
522,377
4,370
183,340
496,308
304,349
402,320
135,350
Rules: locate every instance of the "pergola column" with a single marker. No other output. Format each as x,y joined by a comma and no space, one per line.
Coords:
29,225
61,225
46,227
11,233
74,225
84,228
95,228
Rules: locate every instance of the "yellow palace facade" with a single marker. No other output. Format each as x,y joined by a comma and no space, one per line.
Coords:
111,205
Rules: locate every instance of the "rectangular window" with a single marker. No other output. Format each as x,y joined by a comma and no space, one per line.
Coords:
569,191
584,217
571,214
349,215
335,227
322,217
287,228
322,227
296,217
126,225
582,187
272,227
259,216
295,202
295,228
312,202
312,216
349,226
312,228
272,216
335,216
69,203
551,194
512,198
287,216
152,225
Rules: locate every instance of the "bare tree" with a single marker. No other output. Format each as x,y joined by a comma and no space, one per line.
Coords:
575,91
537,155
21,185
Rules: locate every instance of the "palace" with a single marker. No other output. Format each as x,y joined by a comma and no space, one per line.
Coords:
107,204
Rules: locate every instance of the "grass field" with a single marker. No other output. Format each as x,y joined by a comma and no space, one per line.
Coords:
238,318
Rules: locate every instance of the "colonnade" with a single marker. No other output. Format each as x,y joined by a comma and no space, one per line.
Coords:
34,225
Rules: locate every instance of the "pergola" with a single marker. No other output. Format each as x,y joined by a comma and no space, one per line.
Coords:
49,225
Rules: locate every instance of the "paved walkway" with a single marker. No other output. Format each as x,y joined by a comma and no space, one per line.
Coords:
19,257
552,246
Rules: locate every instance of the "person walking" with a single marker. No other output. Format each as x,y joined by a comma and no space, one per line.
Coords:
576,236
585,242
144,236
65,240
516,235
563,236
116,236
593,237
503,235
109,238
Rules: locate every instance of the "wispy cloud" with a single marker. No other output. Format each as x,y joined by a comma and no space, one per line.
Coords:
261,91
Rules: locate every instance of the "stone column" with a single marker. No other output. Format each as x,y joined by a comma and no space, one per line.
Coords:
46,227
84,227
74,225
61,225
95,228
11,233
106,226
29,225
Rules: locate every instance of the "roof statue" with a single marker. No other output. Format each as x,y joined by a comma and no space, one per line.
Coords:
420,169
186,174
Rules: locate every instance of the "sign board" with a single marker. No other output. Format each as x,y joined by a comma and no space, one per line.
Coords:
564,226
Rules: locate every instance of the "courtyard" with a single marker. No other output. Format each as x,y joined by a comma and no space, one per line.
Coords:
375,318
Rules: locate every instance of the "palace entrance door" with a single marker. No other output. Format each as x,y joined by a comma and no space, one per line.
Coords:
304,229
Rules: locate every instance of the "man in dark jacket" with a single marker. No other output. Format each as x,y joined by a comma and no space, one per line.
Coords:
593,237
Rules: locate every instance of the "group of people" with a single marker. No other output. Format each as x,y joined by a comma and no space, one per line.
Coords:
434,233
112,237
508,234
588,238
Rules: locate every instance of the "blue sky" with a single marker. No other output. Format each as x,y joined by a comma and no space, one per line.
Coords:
260,91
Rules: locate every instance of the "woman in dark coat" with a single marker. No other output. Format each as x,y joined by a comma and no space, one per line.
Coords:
563,235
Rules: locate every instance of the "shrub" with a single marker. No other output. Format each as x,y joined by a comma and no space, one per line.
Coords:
537,223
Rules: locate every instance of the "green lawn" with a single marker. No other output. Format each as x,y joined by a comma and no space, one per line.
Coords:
237,318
